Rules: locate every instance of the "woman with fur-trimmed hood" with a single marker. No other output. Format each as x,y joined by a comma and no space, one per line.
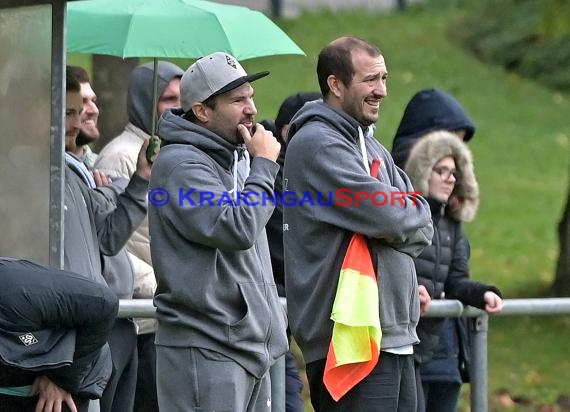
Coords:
440,166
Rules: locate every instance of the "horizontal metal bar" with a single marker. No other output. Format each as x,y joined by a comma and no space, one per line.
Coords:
546,306
143,308
136,308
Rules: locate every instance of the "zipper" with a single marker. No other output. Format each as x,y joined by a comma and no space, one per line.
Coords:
437,258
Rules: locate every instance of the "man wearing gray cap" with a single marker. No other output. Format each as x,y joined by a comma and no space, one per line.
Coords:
221,325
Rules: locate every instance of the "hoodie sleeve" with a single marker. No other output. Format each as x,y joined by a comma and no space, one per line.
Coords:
116,225
203,211
334,168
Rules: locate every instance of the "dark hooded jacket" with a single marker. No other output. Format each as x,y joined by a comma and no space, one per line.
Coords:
443,266
54,323
428,110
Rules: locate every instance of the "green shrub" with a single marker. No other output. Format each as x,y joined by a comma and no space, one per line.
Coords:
529,37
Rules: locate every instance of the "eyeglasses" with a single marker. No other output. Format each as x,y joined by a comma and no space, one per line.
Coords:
445,172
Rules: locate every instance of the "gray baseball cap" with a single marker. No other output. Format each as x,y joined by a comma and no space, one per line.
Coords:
212,75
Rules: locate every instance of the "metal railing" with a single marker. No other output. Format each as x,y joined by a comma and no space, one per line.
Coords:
440,308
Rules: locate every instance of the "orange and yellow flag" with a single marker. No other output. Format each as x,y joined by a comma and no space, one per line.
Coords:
355,346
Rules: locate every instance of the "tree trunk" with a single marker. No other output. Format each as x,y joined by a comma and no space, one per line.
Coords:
110,81
561,285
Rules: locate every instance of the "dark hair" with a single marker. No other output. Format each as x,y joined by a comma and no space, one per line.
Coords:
290,106
71,83
210,103
336,59
79,73
269,124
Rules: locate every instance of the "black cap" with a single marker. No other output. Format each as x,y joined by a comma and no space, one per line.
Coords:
291,105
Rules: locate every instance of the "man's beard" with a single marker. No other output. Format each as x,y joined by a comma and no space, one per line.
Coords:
84,138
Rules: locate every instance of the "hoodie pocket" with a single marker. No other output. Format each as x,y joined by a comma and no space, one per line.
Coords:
254,326
399,302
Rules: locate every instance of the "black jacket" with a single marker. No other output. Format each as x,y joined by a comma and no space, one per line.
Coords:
427,111
443,269
54,323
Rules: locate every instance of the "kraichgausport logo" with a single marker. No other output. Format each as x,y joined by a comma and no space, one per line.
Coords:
343,197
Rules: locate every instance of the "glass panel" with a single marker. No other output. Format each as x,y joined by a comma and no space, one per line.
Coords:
25,96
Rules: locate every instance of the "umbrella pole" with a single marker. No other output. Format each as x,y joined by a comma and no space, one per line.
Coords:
154,96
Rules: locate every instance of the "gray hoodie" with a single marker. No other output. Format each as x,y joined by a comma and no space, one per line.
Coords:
215,285
139,96
96,225
323,156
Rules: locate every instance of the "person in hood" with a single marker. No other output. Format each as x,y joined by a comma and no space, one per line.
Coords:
220,322
118,159
331,146
441,166
53,326
430,110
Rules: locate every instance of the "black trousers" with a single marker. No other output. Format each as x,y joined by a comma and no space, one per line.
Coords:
146,399
390,387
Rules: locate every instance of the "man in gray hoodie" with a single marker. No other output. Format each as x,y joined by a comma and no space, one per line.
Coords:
221,324
118,159
97,222
332,147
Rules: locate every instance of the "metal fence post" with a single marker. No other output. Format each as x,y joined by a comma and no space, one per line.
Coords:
479,329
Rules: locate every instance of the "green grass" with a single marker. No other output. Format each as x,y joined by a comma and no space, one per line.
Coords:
521,157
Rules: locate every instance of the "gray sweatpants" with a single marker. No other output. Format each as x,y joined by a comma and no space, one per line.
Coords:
200,380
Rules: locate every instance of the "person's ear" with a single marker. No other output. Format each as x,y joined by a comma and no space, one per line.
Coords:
335,85
200,112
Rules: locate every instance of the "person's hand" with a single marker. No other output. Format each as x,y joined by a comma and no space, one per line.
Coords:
262,143
101,179
51,396
493,303
425,299
455,203
143,165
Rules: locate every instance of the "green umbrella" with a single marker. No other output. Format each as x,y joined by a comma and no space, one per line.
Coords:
172,29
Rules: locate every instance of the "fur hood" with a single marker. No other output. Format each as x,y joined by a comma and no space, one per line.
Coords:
427,152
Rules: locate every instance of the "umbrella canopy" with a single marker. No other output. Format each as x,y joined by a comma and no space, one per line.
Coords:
172,29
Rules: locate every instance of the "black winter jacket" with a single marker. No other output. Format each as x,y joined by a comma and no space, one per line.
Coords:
428,110
443,269
54,323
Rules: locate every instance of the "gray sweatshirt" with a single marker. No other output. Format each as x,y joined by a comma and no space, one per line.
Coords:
215,285
96,225
324,155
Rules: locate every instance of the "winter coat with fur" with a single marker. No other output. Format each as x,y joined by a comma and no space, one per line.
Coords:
443,266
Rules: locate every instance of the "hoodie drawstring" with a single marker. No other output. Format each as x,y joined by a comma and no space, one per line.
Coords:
369,133
236,157
235,171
